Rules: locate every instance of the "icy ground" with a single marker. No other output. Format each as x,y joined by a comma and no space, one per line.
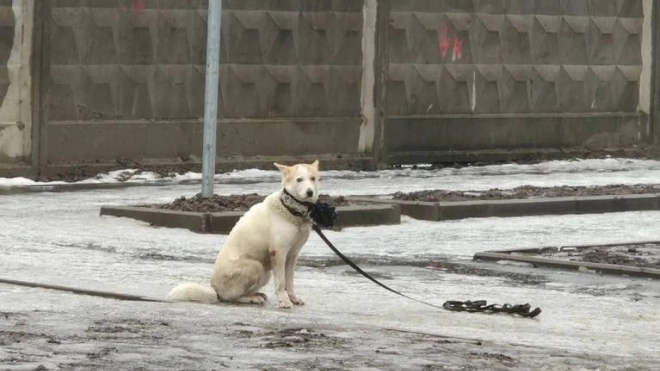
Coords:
589,322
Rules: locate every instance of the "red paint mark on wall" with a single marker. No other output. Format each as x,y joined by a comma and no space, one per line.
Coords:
139,5
458,49
445,42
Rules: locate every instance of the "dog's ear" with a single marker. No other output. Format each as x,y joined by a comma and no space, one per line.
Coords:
315,164
285,170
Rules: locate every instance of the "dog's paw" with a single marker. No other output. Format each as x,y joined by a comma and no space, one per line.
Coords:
259,300
252,299
286,303
296,300
261,294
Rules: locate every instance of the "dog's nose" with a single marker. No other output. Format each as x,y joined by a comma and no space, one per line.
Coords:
310,193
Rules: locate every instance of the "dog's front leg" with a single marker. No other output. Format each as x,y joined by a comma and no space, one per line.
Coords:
291,262
278,261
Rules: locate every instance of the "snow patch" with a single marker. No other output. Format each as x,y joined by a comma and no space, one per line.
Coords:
476,178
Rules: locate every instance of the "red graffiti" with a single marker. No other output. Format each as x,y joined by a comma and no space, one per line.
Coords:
445,42
139,5
458,49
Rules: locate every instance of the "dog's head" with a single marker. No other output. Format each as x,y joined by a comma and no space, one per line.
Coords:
301,180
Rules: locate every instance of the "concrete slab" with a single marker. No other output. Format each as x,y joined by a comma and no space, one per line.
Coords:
597,267
606,204
414,209
527,256
222,223
196,222
353,216
519,207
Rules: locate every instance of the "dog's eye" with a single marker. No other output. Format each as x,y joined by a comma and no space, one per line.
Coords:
299,180
313,179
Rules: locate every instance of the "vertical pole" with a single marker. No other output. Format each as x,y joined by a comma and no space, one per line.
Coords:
211,96
655,72
367,99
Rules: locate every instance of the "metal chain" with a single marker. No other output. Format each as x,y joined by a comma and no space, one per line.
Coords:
523,310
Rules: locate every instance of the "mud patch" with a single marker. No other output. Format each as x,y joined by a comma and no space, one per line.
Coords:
12,337
10,315
526,192
102,353
296,338
498,357
126,328
300,339
608,257
316,365
219,203
192,345
635,255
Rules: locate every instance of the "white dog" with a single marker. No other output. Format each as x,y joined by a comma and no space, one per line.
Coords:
267,238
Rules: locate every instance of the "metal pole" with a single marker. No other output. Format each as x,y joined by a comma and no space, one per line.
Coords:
211,96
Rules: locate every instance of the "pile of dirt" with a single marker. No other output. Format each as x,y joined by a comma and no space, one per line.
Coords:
610,257
645,255
219,203
526,192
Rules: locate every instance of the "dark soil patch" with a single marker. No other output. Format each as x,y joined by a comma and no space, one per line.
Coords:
124,325
642,255
526,192
608,257
301,339
11,337
499,357
218,203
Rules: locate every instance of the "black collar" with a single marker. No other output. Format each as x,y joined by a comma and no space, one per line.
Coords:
301,214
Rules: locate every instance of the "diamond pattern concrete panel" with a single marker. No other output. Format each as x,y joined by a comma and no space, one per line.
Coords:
532,56
279,59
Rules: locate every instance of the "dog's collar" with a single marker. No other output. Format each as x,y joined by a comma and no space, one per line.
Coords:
295,206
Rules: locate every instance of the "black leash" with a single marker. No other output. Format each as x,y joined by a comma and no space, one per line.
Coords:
324,215
348,261
74,290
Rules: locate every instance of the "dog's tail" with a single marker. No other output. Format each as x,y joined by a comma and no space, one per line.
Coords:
193,292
